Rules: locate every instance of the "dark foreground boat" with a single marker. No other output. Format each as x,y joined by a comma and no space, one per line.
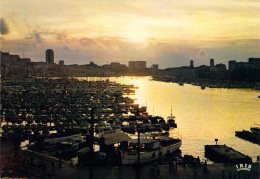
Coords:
250,136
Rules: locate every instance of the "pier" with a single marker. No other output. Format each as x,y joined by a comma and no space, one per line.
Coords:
225,154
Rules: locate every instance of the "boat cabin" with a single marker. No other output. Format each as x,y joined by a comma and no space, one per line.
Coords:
145,145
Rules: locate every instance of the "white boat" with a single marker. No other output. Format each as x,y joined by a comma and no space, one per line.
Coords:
150,149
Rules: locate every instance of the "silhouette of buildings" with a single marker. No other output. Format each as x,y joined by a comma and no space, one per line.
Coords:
12,66
184,73
245,71
115,68
217,72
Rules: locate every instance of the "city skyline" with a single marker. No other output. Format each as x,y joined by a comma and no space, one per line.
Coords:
166,33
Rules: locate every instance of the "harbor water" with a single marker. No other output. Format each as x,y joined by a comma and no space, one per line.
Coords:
201,115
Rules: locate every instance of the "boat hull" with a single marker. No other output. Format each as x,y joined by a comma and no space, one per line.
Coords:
145,157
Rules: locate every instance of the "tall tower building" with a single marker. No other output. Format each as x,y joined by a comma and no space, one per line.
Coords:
49,56
191,64
212,62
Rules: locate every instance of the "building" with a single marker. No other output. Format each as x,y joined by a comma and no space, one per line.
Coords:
24,60
191,64
212,62
202,72
137,65
140,64
9,59
38,63
255,61
131,65
155,67
218,67
12,66
61,62
115,67
183,73
252,63
49,56
245,71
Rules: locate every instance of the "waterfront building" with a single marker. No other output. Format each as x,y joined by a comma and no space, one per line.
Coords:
255,61
182,73
245,71
131,65
141,64
137,65
218,72
202,71
115,67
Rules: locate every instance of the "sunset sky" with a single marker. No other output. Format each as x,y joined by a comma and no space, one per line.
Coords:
165,32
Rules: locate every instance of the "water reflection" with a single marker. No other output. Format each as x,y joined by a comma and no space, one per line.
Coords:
201,115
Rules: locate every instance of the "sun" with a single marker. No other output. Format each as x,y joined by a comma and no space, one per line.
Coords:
137,35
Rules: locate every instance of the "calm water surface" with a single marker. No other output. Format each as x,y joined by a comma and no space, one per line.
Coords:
201,115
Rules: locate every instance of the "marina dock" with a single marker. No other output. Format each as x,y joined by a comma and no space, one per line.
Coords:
225,154
33,169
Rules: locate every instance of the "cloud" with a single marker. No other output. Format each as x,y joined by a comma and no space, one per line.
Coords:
4,26
116,49
202,53
60,36
37,37
28,37
66,48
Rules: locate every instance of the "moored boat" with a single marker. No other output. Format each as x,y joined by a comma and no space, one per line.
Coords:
150,149
171,120
255,129
247,135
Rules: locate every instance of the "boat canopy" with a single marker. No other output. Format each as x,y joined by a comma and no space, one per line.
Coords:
165,138
116,138
144,141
